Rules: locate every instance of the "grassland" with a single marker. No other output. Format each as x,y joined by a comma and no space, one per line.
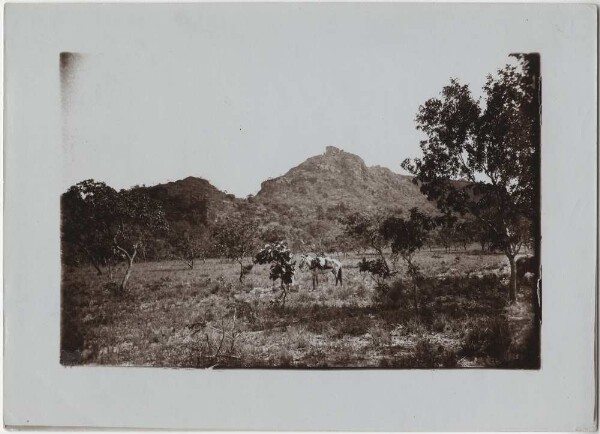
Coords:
171,316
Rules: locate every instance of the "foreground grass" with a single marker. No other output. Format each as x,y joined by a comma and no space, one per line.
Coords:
171,316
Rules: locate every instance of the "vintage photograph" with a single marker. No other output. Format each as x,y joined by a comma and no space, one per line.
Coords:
337,200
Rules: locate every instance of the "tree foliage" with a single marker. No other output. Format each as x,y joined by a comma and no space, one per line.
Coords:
190,243
110,225
236,239
491,148
282,267
87,216
406,237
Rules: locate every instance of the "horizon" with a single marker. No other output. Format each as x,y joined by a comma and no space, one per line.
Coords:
183,178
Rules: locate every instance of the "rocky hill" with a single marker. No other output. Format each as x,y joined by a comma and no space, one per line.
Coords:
341,180
192,200
304,205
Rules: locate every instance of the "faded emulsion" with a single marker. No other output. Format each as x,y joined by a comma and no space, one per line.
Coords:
335,264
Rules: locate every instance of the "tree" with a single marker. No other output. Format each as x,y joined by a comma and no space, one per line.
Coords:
87,213
406,237
190,244
282,267
366,231
236,239
492,149
136,218
108,225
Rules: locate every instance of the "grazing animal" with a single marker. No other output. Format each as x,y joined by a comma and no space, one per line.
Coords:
321,265
525,264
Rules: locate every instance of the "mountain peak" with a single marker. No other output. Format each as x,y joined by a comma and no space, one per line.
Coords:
332,150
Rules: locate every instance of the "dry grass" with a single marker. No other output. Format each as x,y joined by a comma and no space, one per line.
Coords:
176,317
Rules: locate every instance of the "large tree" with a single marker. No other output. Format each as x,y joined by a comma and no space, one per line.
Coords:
87,215
492,146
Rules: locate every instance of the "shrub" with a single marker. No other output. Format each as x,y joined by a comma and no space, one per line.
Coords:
427,355
488,338
215,288
389,295
353,326
380,336
440,324
284,358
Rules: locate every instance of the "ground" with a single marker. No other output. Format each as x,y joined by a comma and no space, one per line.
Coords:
172,316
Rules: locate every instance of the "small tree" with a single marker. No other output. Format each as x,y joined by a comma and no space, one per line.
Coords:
282,266
191,244
136,218
236,239
493,149
406,237
366,230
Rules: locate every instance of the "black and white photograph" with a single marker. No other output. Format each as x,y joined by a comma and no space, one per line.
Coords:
300,217
290,206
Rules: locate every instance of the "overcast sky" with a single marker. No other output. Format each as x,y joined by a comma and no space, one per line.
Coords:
237,94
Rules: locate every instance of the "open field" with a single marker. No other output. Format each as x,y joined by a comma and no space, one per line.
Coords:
172,316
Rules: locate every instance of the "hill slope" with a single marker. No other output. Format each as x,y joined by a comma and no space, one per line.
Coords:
303,206
341,180
192,200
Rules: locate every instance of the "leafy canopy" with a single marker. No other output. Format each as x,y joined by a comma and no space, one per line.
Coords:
280,257
480,161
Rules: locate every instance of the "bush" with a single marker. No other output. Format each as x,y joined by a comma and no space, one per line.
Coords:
389,295
427,355
488,338
380,336
353,326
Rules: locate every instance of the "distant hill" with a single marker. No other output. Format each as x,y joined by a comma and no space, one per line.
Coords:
341,180
193,200
304,205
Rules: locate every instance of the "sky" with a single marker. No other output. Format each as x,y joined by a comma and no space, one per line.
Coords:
238,94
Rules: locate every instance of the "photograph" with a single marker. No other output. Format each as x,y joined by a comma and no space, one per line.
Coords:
301,217
243,251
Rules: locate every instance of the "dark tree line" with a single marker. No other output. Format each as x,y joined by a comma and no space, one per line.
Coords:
109,226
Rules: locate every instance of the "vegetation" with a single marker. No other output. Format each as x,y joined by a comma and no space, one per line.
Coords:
433,298
282,267
491,148
236,239
109,225
169,310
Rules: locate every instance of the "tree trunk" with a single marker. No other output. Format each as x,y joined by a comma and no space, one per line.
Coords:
98,270
128,272
512,289
93,262
126,276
